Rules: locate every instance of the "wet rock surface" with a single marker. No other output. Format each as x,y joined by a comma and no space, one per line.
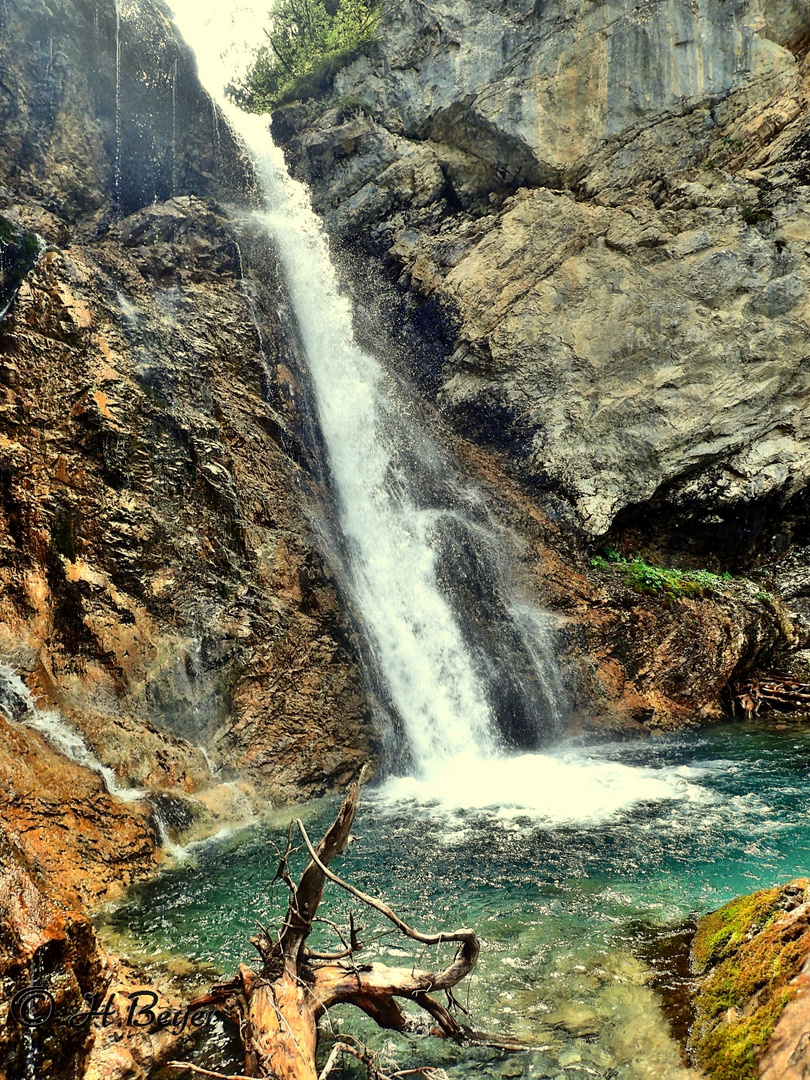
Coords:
634,658
158,562
157,555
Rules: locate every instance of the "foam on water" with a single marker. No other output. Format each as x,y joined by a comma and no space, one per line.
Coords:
554,788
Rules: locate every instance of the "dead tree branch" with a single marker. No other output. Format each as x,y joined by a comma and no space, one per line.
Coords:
278,1008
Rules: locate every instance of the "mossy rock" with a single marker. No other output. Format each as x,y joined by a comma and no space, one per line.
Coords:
748,954
721,933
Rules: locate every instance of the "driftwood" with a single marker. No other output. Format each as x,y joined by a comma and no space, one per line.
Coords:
779,692
277,1008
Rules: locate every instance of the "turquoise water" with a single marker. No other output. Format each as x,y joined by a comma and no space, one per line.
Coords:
557,904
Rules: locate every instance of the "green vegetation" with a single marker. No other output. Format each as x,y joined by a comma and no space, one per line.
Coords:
722,932
644,578
725,149
753,215
7,232
309,41
154,395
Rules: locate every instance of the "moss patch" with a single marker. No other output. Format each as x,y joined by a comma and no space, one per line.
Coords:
748,953
644,578
720,934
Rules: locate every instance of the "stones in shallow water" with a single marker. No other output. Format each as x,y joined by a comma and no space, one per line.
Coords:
577,1020
513,1067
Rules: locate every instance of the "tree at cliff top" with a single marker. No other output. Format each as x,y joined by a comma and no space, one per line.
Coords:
308,41
277,1009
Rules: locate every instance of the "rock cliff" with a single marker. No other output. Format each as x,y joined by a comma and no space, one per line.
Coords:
608,205
593,223
158,568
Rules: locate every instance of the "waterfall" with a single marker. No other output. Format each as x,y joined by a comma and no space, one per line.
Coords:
174,128
414,535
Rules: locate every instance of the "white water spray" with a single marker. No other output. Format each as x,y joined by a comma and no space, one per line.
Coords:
174,128
427,667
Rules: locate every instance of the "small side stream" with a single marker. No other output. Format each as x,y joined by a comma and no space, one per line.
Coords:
561,905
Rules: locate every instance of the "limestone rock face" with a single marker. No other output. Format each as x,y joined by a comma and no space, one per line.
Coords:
101,110
630,348
618,245
43,942
159,583
155,553
632,660
68,828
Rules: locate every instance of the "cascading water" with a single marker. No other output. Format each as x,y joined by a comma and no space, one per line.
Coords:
428,670
18,704
174,128
428,569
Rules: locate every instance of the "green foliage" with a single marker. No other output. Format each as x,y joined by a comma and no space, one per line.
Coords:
754,215
350,105
732,145
726,148
654,579
309,40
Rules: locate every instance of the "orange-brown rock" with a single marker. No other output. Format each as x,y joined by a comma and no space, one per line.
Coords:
157,568
154,549
53,971
44,942
61,816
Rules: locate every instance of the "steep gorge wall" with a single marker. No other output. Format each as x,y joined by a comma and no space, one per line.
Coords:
160,581
608,202
593,222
